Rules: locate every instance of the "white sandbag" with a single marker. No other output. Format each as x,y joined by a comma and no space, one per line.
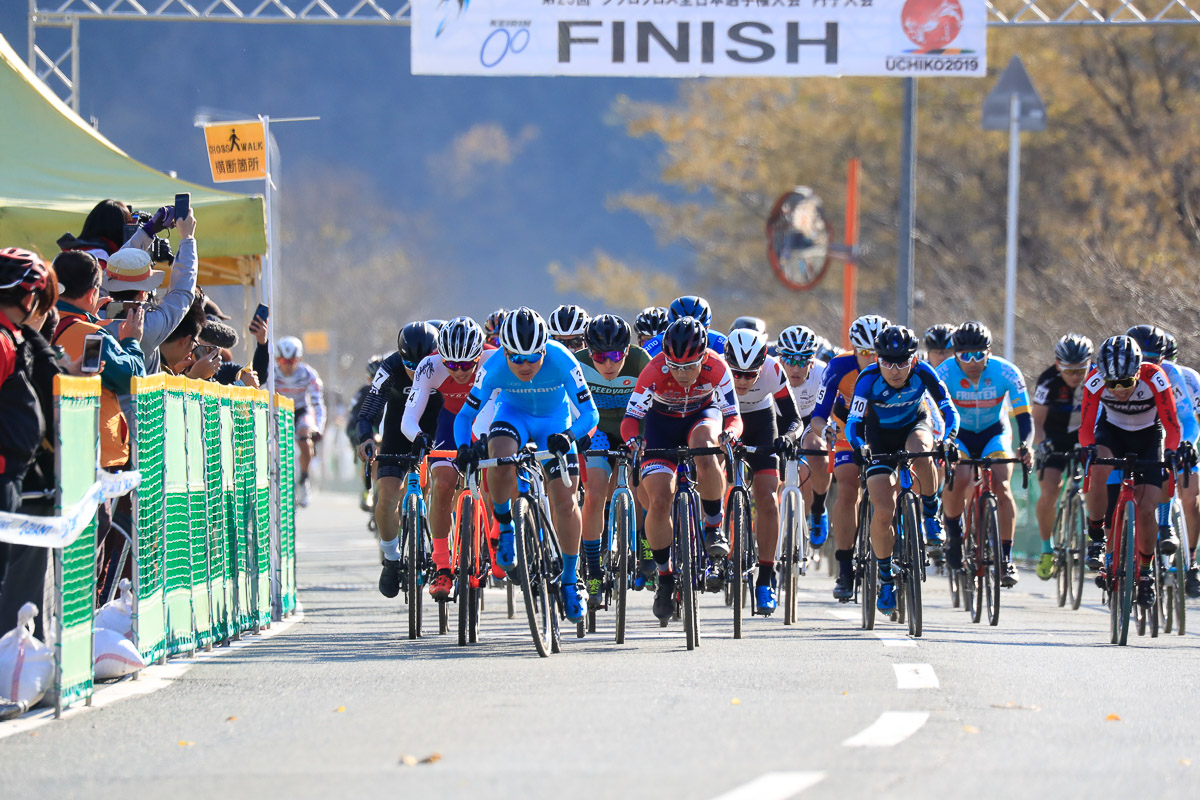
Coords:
117,614
26,665
115,657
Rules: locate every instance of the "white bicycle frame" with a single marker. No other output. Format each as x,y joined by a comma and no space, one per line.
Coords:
791,490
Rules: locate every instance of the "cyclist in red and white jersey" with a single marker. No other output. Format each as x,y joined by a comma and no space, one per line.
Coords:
1128,407
298,381
686,397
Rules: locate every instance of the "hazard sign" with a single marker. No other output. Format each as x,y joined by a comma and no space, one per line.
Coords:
236,151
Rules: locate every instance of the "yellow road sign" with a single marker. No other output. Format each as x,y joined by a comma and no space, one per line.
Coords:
236,151
316,342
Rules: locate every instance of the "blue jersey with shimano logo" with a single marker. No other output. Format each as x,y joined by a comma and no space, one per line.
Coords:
557,386
716,343
980,403
895,407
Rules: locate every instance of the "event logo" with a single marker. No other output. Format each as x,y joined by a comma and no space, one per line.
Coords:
931,24
446,5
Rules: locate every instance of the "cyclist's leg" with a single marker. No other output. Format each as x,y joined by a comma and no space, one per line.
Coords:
1049,485
845,521
599,473
388,493
710,482
882,488
443,481
926,483
504,438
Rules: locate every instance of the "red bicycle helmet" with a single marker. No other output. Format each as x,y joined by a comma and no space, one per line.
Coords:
22,269
685,340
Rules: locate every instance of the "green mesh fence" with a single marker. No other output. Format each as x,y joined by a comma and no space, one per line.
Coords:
180,628
148,447
244,513
287,506
262,509
214,507
197,515
77,403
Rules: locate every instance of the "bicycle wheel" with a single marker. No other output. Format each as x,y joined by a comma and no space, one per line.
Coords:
971,574
1079,544
412,546
1128,569
1176,611
912,579
1156,610
868,574
993,559
1060,541
465,549
622,520
684,521
787,566
535,588
738,532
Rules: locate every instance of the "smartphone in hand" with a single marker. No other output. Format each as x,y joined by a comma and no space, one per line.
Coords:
262,312
183,205
93,345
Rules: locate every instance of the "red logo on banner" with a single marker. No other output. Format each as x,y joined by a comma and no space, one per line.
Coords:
931,24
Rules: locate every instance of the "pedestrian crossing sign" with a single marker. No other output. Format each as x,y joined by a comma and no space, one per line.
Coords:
236,151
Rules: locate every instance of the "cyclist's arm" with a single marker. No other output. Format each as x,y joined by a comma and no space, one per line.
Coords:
373,404
581,399
466,415
1092,387
418,400
638,405
316,393
727,402
1039,413
1164,399
1184,408
858,410
789,416
940,393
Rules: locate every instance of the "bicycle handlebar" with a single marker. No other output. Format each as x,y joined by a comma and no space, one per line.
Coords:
979,463
1131,464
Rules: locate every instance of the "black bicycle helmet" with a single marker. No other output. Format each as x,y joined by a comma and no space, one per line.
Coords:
1074,349
436,323
524,332
896,343
1150,338
756,324
607,333
1119,358
651,321
690,306
415,341
1171,351
972,336
939,337
685,340
374,363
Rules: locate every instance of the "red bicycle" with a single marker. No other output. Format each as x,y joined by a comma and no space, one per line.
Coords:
983,556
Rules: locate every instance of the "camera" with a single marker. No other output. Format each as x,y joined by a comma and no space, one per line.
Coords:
160,251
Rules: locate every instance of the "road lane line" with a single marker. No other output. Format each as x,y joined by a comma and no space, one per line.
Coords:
848,616
774,786
890,639
915,676
890,729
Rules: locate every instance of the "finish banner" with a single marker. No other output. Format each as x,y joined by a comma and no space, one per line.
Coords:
700,38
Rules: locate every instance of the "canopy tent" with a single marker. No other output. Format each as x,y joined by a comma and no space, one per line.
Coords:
54,168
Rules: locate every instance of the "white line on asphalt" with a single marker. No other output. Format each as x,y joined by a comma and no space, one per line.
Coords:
890,729
774,786
848,616
915,676
890,639
805,596
151,679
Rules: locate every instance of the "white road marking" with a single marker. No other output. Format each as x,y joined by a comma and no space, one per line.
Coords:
915,676
805,596
890,639
890,729
150,680
774,786
848,616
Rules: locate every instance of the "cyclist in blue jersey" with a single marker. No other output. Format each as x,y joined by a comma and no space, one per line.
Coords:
688,306
889,413
979,383
537,385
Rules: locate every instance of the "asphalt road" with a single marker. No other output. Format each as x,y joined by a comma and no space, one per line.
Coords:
344,704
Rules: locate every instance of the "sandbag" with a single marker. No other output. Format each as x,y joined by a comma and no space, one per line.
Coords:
117,614
115,656
26,665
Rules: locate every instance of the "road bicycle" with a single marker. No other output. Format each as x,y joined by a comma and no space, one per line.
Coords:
472,563
1069,538
983,562
795,552
619,546
1171,573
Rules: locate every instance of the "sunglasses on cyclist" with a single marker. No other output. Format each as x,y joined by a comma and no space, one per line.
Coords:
283,360
864,352
1073,370
603,356
972,355
745,374
409,364
521,358
897,364
802,360
1121,383
681,367
465,366
574,343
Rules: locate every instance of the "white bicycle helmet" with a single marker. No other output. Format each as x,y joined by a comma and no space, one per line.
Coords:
746,349
460,339
568,321
289,347
524,332
797,340
864,330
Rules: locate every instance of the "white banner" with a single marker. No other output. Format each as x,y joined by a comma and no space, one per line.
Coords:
695,38
61,531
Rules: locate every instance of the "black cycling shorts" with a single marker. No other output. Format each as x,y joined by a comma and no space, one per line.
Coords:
1146,444
893,440
759,430
1063,444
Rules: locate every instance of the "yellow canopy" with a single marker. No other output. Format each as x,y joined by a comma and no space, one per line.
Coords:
54,168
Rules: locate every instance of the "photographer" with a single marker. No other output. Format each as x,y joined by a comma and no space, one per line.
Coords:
180,353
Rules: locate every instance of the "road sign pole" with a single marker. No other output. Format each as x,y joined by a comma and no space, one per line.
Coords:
1014,195
850,272
276,558
908,202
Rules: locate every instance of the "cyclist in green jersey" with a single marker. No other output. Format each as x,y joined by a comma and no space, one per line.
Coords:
611,365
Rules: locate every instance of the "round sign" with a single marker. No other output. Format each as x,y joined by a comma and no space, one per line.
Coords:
798,239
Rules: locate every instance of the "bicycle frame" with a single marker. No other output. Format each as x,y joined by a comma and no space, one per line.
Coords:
984,573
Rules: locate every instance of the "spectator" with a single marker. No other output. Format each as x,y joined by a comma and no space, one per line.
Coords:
79,277
178,351
104,230
218,335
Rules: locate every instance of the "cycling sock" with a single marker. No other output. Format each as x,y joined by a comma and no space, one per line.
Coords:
304,477
1164,515
712,512
391,548
1047,546
1145,560
646,553
662,560
441,553
1007,547
954,527
818,505
1096,530
885,569
1114,489
591,549
845,559
929,504
766,569
570,573
504,515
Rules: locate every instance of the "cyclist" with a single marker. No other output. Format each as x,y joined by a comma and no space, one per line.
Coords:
1128,407
757,324
889,413
1153,343
385,402
611,366
448,373
939,344
568,323
1192,380
651,321
373,363
762,390
837,390
686,397
491,327
1056,413
688,306
797,353
539,383
300,382
979,383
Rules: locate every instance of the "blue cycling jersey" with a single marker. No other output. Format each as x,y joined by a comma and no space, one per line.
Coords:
981,403
716,342
893,407
556,387
1183,402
